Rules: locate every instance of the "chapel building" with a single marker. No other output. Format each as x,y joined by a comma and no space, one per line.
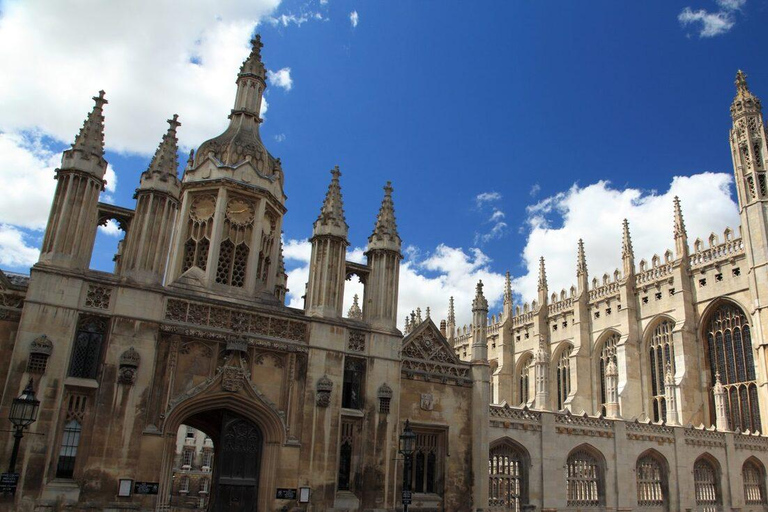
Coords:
181,381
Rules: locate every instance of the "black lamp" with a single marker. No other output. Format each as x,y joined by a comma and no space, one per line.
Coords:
23,413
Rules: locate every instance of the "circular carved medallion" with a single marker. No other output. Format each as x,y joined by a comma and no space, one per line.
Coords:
202,208
239,212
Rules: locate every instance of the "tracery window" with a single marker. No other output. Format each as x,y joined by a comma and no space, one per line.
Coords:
729,347
607,354
661,352
753,477
507,473
86,351
345,455
525,379
563,377
354,377
236,235
584,480
651,482
428,462
70,438
706,487
199,230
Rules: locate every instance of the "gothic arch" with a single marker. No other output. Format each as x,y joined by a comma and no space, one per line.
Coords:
599,361
707,487
657,349
585,471
652,479
716,303
728,352
559,374
753,481
509,473
522,362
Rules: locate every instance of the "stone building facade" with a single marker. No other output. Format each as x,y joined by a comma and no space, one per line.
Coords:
580,400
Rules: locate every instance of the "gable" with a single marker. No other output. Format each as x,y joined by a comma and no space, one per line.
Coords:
427,355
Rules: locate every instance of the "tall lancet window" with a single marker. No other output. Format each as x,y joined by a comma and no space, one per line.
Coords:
706,485
729,347
607,353
563,376
524,379
584,486
268,235
199,229
236,234
651,482
661,352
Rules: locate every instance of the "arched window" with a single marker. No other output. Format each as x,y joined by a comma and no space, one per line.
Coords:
729,347
661,353
584,480
68,451
507,470
753,475
86,350
706,485
607,353
651,482
563,377
526,367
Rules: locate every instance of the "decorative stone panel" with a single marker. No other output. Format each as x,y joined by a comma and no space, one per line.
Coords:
217,317
324,387
129,366
98,297
356,341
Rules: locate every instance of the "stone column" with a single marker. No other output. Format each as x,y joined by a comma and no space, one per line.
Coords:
611,390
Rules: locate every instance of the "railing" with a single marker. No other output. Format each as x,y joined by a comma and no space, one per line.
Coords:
723,251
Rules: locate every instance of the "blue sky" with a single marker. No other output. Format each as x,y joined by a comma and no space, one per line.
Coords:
500,124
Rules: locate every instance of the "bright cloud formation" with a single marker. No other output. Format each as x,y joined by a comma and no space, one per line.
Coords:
354,18
192,65
495,226
595,213
711,24
281,78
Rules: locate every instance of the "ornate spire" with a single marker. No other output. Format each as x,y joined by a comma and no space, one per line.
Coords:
90,140
252,66
507,289
745,103
681,236
542,275
166,160
384,234
479,303
627,251
331,219
354,311
451,312
581,260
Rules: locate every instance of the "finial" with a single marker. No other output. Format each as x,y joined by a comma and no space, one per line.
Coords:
741,82
165,162
507,288
679,222
428,312
257,45
451,312
626,241
581,259
479,303
191,159
91,136
385,234
331,219
354,311
542,275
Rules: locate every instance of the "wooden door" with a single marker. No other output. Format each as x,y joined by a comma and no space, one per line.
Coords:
237,466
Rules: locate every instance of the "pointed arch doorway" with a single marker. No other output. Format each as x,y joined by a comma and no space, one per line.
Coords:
239,446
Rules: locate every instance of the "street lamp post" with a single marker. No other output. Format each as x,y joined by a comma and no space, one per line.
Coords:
407,447
23,414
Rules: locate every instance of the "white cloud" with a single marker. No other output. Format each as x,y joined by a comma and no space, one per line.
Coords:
14,250
712,24
192,66
595,213
26,175
354,18
280,137
535,189
281,78
487,197
111,229
295,19
426,281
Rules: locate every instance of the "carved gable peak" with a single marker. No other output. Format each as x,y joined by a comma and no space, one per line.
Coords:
427,343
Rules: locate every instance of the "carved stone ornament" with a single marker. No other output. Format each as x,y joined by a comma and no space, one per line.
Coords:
427,401
232,378
129,366
385,391
324,387
237,345
41,345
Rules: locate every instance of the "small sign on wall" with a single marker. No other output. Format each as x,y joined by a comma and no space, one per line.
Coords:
286,494
125,488
146,487
304,495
